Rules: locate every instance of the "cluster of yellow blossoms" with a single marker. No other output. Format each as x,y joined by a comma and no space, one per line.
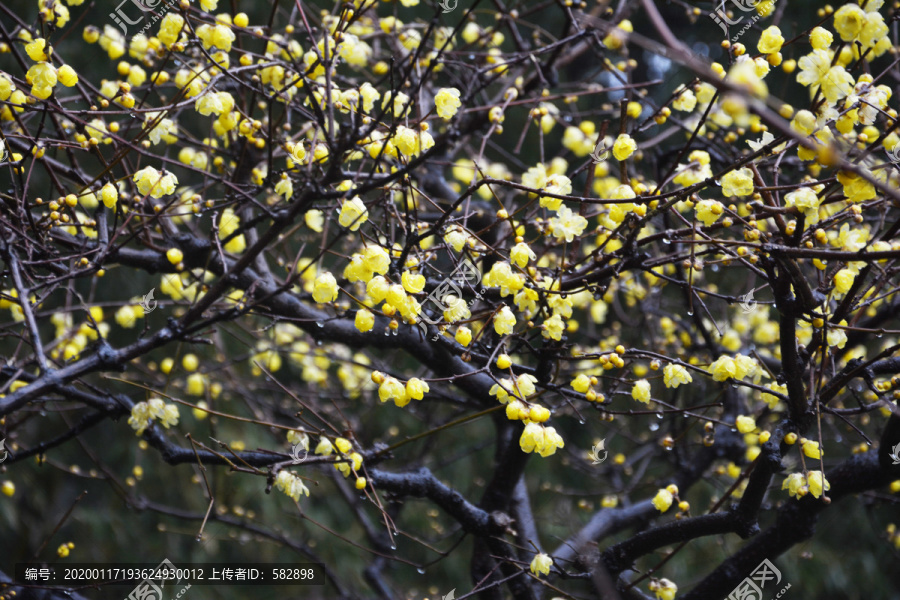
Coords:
143,413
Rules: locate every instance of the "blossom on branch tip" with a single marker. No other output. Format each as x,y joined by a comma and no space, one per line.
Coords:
540,564
447,102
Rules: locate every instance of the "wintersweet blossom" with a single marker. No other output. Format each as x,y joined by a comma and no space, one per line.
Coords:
675,375
540,564
624,146
291,485
738,183
641,391
447,102
325,288
353,213
663,500
664,589
504,321
567,224
156,184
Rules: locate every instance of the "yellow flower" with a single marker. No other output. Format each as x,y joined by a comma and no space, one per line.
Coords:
820,38
567,224
228,224
738,183
811,449
504,321
314,219
9,488
770,41
353,213
217,103
540,439
849,21
817,483
663,500
143,413
675,375
67,76
170,28
291,485
843,280
723,368
325,288
664,589
174,255
624,147
581,384
392,389
807,201
855,187
641,391
285,188
364,320
343,445
553,328
463,336
412,282
42,75
416,388
447,102
540,564
709,211
814,67
150,181
795,485
324,447
745,424
456,310
38,50
521,253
